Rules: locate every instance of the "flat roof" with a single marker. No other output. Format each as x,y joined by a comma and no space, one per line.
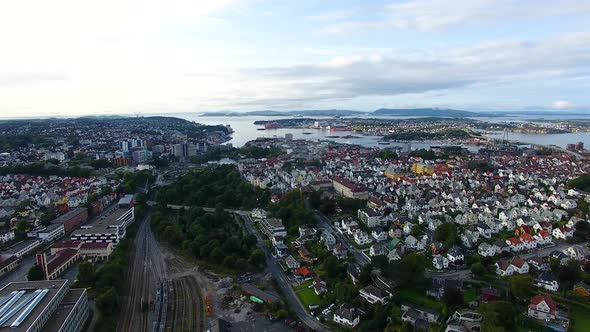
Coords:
50,228
69,215
64,309
102,224
126,199
18,247
263,295
53,287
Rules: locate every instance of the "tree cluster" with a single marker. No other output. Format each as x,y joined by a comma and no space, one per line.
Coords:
209,187
216,238
292,211
581,183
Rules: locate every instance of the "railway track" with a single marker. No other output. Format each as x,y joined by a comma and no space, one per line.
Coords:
177,300
187,305
139,290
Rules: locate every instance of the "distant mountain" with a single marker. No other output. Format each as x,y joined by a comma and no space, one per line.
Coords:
435,112
428,112
287,113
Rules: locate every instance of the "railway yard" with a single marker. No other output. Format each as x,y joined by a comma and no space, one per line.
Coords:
164,294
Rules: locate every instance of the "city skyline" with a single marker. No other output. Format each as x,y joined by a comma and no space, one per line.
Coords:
67,58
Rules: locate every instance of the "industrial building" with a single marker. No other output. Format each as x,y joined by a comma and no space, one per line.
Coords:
72,219
33,306
109,228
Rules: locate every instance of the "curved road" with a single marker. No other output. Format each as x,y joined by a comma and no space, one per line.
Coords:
281,279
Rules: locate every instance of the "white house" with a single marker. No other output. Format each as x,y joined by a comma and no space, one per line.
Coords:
547,281
487,250
374,295
563,233
542,307
361,238
515,266
440,262
543,237
377,250
6,236
347,316
379,235
369,216
455,255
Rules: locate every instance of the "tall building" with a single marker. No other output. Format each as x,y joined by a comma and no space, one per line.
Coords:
186,149
141,156
48,305
129,144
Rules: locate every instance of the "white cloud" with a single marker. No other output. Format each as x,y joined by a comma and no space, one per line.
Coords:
332,16
560,104
428,15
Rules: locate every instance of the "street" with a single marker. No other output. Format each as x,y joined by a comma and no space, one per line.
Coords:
281,279
325,223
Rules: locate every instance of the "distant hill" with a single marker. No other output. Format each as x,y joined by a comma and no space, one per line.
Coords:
287,113
435,112
427,112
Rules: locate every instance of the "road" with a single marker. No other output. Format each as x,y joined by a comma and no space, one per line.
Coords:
325,223
465,274
281,279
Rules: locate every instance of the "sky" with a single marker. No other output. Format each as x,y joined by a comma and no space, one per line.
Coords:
76,57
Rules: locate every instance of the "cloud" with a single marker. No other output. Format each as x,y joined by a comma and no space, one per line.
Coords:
481,66
8,79
429,15
332,16
560,104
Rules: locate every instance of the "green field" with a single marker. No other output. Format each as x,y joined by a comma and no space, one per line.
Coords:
580,318
469,295
307,297
304,285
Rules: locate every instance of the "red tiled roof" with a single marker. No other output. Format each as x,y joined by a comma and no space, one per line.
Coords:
518,262
349,184
95,245
67,244
59,258
514,241
303,271
526,237
537,299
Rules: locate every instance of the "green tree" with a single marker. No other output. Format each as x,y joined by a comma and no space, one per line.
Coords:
108,302
35,273
478,269
257,258
520,286
86,273
453,297
409,271
447,234
21,228
498,316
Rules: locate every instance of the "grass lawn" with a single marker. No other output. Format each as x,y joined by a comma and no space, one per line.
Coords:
308,296
469,295
580,318
420,299
304,285
365,246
